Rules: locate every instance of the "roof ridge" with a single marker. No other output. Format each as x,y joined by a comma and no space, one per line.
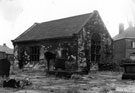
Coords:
66,17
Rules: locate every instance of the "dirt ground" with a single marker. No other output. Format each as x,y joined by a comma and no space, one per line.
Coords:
94,82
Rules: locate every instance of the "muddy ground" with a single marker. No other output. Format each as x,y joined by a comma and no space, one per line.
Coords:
94,82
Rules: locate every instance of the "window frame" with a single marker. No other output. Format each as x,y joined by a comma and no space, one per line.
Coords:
34,53
132,44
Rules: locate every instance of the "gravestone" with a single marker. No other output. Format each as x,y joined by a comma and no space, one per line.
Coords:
129,69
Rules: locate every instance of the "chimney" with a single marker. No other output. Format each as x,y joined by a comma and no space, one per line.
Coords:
4,44
130,23
121,28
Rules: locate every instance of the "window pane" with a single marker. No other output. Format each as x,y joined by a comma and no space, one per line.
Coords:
34,53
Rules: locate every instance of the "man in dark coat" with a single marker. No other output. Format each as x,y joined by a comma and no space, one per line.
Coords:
4,67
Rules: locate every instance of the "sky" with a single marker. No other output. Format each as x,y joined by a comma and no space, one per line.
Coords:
16,16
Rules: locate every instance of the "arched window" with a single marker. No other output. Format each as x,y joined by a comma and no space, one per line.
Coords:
95,47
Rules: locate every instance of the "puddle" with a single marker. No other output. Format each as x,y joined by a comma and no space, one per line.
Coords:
30,91
128,88
112,80
94,82
54,87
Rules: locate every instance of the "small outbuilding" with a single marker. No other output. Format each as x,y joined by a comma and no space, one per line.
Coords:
74,43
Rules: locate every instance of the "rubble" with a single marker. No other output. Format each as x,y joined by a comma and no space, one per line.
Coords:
13,83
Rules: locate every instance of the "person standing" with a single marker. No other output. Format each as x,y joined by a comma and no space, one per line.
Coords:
5,67
42,50
42,58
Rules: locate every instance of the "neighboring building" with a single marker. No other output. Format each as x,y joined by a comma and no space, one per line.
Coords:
124,43
6,51
80,40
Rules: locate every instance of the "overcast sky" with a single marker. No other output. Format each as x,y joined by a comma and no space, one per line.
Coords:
18,15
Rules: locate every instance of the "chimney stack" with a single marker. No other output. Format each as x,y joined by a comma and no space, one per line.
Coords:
121,28
130,23
4,45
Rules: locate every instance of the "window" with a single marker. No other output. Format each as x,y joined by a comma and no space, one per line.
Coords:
34,53
133,44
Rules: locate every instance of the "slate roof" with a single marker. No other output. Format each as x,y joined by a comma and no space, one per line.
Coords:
6,49
53,29
128,33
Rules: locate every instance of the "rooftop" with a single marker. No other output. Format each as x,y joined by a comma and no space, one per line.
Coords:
128,33
56,28
7,50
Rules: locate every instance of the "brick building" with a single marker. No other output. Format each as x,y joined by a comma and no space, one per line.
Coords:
124,43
